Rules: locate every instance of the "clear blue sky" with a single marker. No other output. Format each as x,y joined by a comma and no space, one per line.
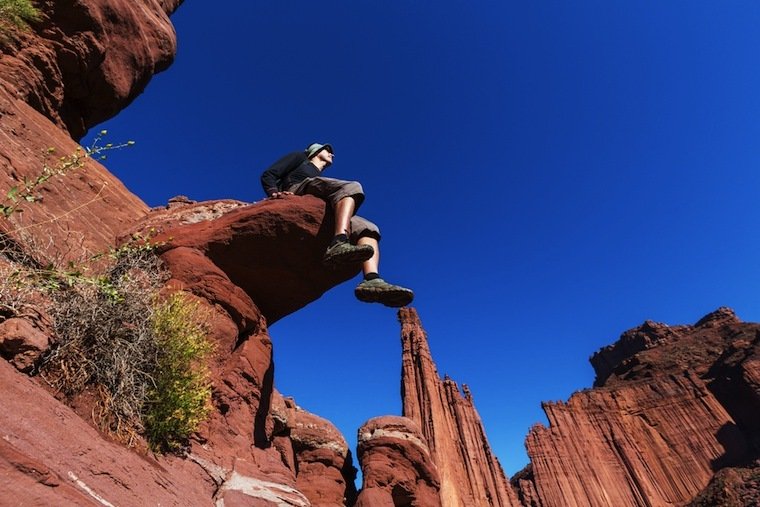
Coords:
546,174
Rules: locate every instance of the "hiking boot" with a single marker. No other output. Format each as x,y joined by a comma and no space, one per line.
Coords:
343,252
380,291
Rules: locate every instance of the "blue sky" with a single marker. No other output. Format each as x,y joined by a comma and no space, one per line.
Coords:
546,176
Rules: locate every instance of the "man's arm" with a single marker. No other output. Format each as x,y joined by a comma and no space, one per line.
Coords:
271,178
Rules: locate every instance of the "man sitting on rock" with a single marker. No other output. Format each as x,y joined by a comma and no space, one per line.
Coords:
356,239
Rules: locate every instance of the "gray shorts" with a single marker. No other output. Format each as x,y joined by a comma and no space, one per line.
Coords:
333,190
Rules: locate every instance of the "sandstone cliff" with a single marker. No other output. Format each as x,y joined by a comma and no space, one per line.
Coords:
672,406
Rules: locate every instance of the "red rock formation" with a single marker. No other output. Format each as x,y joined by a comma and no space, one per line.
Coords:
651,442
470,473
396,465
253,448
88,59
76,216
318,453
265,442
272,250
83,62
673,405
50,456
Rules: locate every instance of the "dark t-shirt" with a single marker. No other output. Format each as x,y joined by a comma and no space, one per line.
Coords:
291,169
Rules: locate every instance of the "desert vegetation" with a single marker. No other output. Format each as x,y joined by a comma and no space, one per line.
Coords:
16,14
139,354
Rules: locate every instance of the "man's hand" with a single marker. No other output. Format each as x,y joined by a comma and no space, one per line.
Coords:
280,195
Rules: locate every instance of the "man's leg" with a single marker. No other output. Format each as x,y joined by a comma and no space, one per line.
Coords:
374,289
345,197
371,265
344,210
341,251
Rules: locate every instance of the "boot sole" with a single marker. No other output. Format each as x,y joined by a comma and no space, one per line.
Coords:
355,256
395,298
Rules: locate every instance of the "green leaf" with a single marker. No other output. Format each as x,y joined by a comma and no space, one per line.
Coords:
12,194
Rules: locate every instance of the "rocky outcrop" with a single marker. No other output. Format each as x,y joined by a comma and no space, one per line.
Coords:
74,217
271,250
652,442
316,451
81,64
255,446
672,406
396,465
230,256
469,472
88,59
731,487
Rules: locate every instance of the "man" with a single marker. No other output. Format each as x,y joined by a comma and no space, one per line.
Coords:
355,239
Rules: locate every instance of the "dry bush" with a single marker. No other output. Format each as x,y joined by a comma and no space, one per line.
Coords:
105,338
20,274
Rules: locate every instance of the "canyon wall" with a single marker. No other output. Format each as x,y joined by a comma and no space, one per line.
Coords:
671,407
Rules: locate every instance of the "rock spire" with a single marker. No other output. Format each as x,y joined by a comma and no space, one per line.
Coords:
469,472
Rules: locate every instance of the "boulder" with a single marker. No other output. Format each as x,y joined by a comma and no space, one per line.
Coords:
396,465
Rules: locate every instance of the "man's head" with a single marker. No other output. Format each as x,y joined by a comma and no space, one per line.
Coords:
320,153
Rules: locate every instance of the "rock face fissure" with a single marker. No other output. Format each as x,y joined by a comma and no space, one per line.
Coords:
469,473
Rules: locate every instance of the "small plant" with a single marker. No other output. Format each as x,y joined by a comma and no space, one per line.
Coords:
180,399
25,192
17,14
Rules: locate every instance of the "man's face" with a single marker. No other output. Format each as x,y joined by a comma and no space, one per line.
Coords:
325,155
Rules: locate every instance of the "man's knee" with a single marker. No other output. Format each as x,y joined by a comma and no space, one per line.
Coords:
361,227
353,187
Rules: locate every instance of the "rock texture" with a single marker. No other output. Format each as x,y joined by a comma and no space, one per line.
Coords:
469,472
731,487
396,464
22,344
50,456
672,406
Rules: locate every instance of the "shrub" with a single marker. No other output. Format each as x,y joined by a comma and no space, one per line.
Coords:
105,338
180,398
144,356
17,13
